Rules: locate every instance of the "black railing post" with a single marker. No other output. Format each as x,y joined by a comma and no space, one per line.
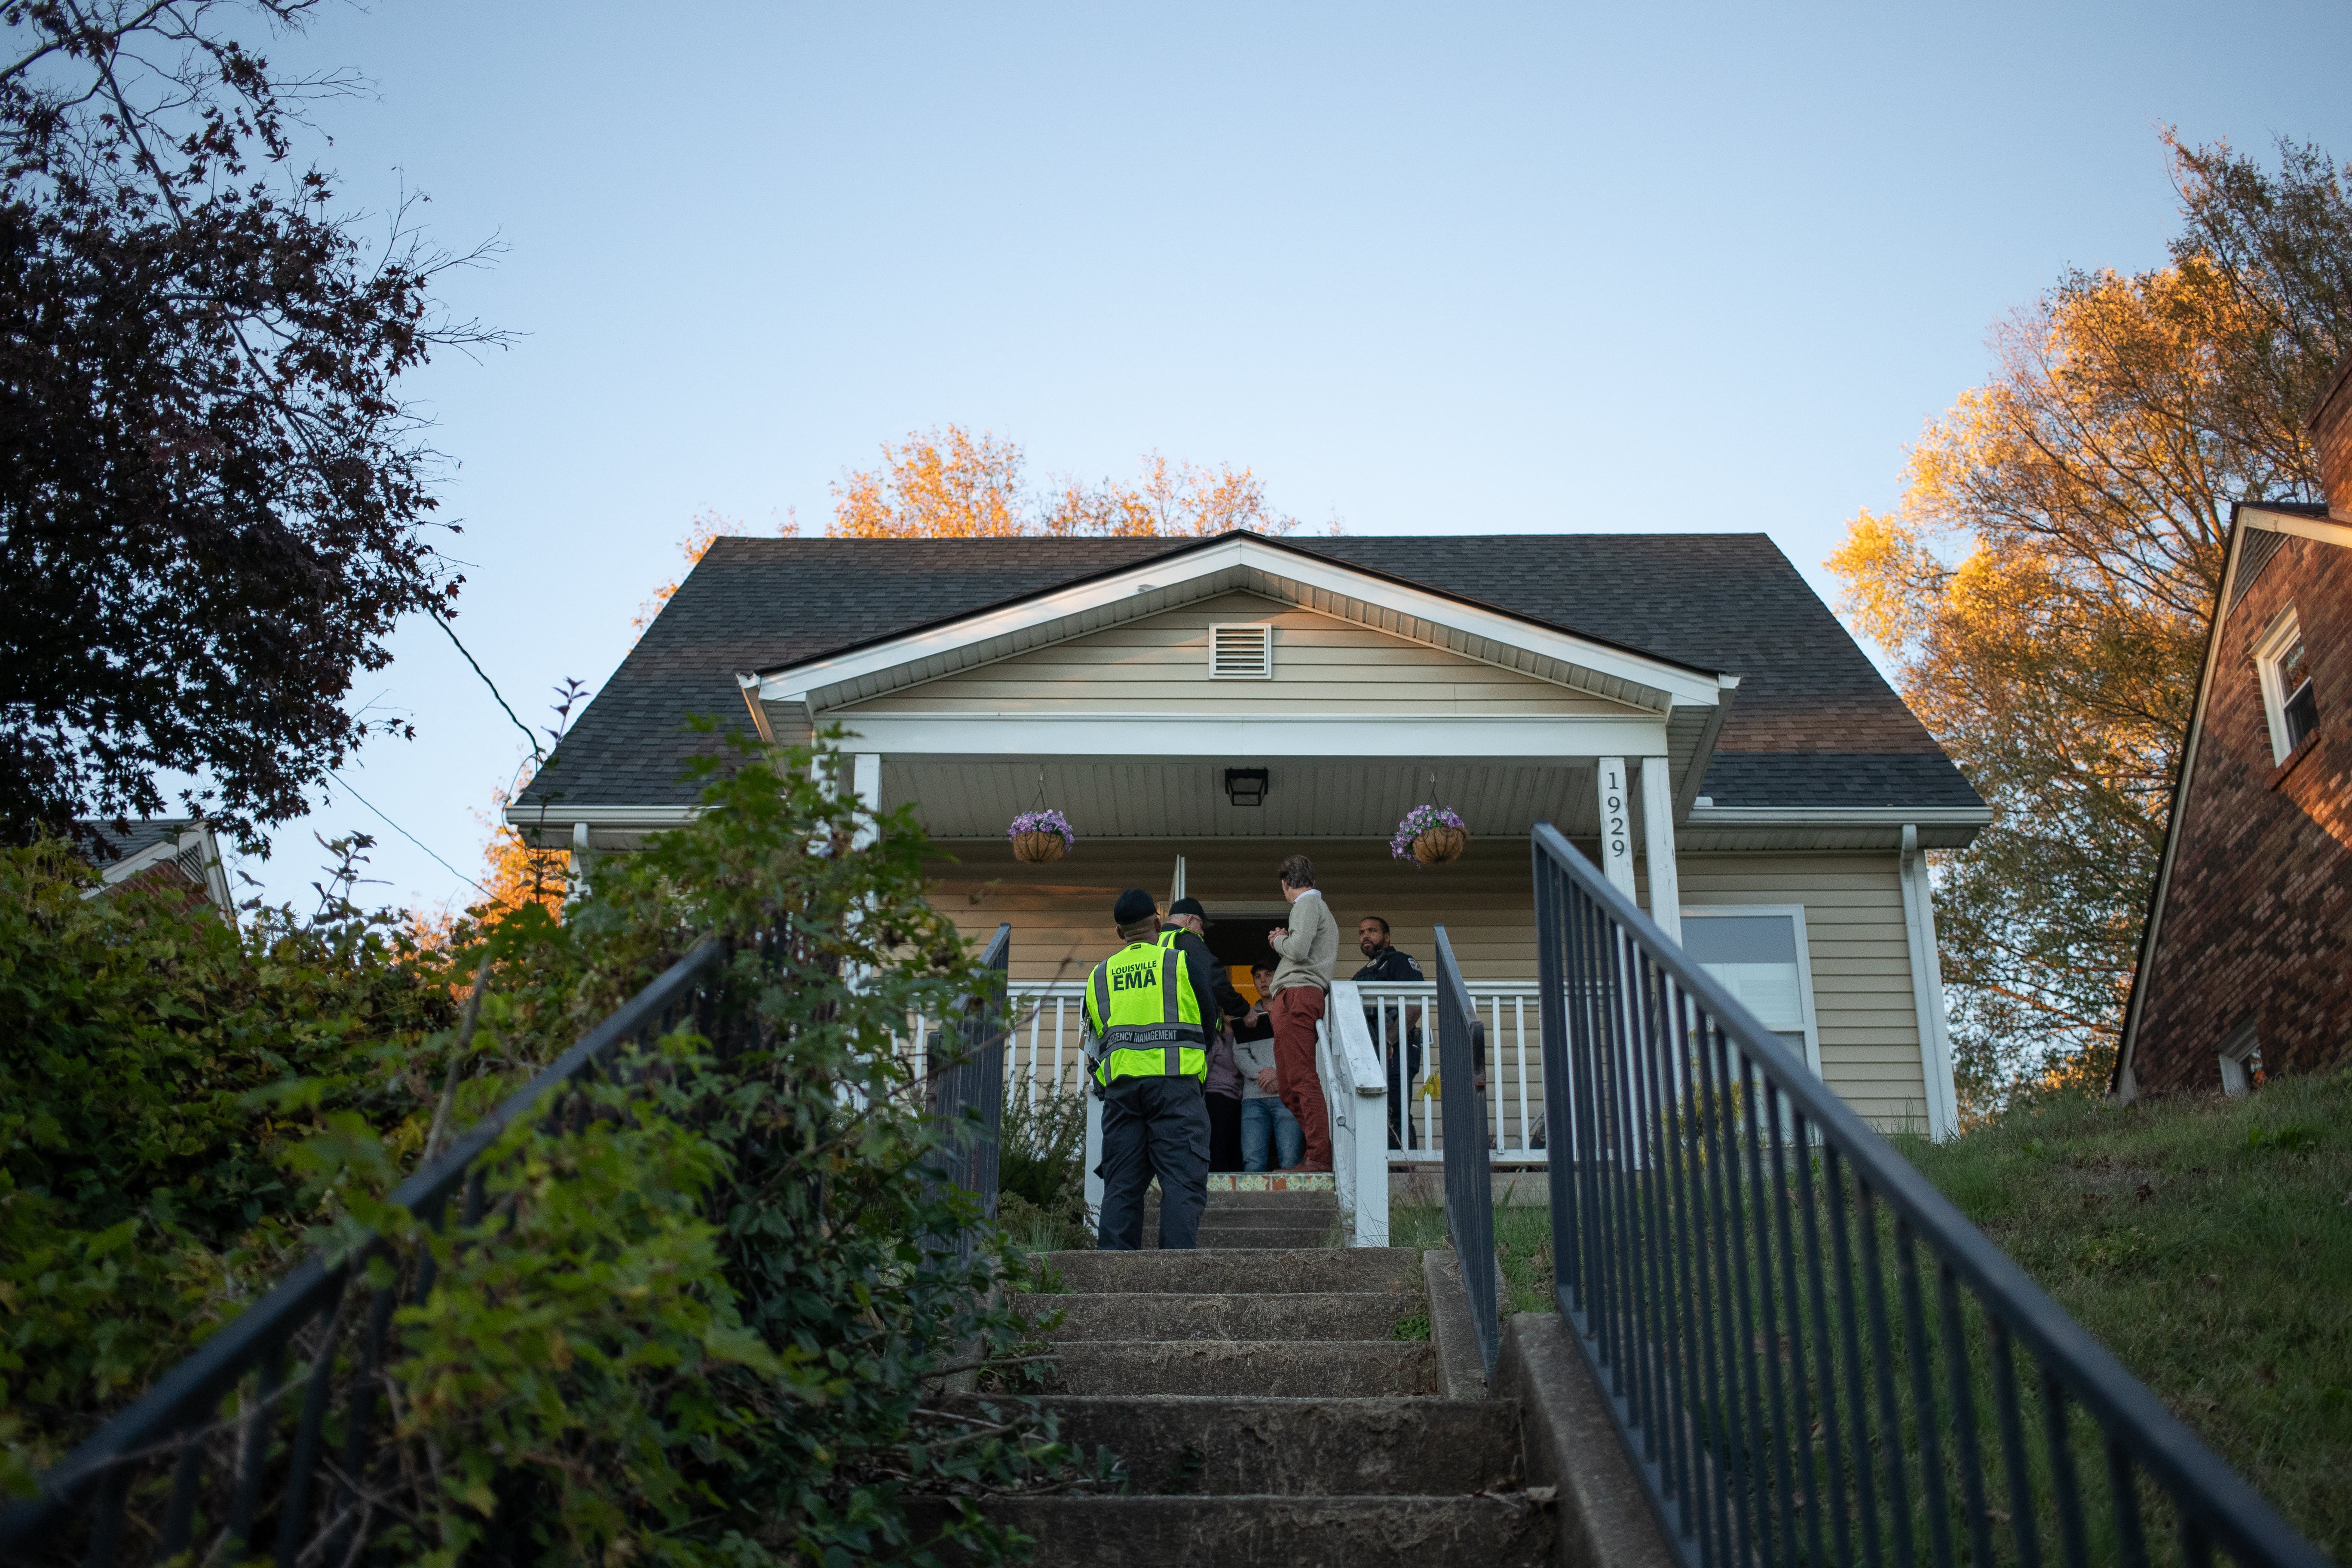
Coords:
1469,1174
966,1095
1760,1380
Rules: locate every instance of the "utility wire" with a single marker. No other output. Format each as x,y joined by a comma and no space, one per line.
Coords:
529,739
410,836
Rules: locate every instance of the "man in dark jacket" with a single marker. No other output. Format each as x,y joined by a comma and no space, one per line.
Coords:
1388,963
1190,923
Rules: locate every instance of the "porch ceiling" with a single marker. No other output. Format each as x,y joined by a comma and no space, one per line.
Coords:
1306,798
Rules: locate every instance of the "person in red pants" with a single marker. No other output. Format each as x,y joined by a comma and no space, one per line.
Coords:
1308,948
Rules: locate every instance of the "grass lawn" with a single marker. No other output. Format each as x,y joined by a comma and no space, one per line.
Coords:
2207,1243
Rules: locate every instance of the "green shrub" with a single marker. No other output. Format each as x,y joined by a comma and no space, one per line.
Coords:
711,1322
144,1192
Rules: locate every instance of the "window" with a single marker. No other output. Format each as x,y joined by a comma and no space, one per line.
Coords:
1758,954
2241,1061
1241,652
2285,669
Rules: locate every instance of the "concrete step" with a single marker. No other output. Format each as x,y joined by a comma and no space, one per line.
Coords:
1336,1369
1305,1271
1208,1446
1321,1217
1220,1233
1152,1315
1320,1202
1506,1531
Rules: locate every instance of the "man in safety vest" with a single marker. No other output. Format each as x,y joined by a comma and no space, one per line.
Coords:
1150,1008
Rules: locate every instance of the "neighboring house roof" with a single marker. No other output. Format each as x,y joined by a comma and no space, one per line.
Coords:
1814,723
178,850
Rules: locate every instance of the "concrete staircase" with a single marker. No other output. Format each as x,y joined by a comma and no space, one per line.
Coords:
1267,1411
1307,1216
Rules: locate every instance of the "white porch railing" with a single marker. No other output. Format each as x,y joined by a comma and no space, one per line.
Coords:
1355,1097
1047,1053
1402,1027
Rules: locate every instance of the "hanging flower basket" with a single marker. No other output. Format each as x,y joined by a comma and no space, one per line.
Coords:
1040,836
1431,835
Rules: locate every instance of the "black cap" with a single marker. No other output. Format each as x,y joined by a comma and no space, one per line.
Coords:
1188,907
1134,907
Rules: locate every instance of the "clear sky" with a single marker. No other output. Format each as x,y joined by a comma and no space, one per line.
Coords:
1440,269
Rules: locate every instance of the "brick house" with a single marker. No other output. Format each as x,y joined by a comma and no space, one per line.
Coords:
167,854
2246,963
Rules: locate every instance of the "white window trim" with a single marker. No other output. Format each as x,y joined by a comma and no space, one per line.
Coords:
1263,630
2269,649
1796,914
2236,1046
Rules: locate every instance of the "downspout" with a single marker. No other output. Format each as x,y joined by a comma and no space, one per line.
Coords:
1927,990
1727,687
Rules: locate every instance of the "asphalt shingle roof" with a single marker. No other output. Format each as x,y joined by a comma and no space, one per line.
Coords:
1813,722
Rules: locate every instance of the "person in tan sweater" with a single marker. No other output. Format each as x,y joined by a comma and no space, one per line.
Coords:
1308,948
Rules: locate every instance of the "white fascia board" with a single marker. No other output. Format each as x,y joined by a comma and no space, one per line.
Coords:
2320,528
1559,738
1854,815
1672,684
559,814
130,866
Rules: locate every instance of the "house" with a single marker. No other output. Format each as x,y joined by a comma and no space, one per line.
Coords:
2245,963
167,854
1200,707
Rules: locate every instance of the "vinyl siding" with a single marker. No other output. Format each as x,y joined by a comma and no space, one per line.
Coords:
1861,965
1161,665
1861,973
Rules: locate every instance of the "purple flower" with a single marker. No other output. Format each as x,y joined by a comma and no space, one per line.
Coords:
1419,820
1052,822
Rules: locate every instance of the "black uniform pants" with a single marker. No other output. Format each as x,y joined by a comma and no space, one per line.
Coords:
1153,1127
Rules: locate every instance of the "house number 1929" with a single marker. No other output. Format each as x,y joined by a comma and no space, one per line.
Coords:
1613,809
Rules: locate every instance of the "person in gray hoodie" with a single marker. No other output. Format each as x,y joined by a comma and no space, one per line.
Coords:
1308,948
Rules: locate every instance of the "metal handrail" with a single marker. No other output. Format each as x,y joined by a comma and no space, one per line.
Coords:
1469,1182
1697,1166
967,1093
172,1418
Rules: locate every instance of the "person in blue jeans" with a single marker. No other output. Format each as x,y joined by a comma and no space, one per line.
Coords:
1265,1121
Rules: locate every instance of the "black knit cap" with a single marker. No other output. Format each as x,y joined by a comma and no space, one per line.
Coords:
1134,907
1188,907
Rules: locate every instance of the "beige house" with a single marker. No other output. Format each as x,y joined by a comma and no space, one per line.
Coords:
1683,706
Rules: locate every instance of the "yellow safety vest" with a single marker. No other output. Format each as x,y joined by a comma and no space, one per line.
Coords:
1141,1007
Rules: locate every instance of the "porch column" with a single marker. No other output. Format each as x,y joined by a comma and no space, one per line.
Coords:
1616,823
865,787
1658,848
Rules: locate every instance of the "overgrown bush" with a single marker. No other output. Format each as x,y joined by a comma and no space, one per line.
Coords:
1041,1171
712,1322
145,1195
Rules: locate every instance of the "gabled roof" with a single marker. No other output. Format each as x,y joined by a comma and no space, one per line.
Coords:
1814,723
1212,567
182,848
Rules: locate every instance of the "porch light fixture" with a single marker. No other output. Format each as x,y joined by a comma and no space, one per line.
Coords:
1246,786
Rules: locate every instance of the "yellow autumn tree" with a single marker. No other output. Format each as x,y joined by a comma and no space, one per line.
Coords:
953,484
2043,587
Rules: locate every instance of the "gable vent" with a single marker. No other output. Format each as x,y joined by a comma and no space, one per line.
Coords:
1241,652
